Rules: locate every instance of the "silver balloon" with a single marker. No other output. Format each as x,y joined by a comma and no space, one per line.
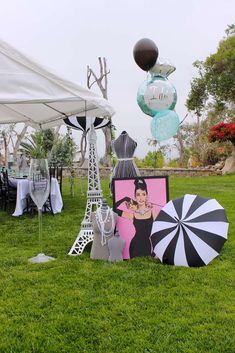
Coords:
162,67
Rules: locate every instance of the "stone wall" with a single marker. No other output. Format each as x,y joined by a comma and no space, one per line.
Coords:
178,172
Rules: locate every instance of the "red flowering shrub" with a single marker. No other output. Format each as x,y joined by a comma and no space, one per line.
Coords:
222,132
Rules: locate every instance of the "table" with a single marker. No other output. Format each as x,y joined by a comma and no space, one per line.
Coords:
22,186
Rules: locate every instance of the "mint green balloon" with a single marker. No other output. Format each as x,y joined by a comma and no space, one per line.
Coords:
156,94
164,125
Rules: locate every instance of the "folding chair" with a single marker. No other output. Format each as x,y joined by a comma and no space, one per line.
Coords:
10,193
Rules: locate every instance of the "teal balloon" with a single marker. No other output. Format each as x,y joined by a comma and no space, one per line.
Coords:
164,125
156,94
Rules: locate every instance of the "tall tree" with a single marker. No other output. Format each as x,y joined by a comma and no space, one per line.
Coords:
205,153
12,136
212,94
39,144
215,84
102,82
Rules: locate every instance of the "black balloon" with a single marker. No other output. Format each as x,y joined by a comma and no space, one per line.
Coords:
145,53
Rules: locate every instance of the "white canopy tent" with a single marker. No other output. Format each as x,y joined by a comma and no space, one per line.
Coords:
31,94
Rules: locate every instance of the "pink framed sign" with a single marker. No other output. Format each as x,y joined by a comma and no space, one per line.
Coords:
137,201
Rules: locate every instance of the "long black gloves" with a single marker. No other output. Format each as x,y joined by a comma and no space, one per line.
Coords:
118,203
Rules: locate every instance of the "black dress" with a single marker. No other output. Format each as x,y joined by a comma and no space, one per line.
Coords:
140,245
124,147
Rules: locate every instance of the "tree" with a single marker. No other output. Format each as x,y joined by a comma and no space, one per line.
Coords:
102,82
12,137
185,142
139,162
198,94
83,147
216,77
62,154
179,144
39,144
59,151
205,153
154,159
211,98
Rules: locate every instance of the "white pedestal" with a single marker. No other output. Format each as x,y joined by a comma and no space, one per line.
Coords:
41,258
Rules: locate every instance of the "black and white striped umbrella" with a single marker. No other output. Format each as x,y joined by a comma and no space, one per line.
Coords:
83,123
189,231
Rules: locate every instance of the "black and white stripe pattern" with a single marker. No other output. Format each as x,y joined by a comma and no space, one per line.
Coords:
189,231
83,123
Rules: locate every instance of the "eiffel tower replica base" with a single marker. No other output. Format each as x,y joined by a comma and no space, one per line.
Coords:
85,235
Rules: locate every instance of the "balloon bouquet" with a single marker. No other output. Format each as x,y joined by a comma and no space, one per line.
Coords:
156,95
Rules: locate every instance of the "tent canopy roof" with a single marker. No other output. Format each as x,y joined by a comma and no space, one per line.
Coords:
31,94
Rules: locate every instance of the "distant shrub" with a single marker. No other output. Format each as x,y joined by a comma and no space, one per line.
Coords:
222,132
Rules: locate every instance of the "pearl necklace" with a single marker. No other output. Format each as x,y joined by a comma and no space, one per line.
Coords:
142,212
102,221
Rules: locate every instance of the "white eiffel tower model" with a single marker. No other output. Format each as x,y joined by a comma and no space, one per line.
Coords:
94,197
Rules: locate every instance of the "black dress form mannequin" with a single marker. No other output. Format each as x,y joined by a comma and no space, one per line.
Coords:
103,221
124,147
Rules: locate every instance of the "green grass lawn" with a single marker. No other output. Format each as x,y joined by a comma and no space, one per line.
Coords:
75,304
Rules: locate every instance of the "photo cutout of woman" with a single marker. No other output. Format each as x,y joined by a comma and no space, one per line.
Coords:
141,210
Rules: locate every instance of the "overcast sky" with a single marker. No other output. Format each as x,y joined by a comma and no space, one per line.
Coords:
68,35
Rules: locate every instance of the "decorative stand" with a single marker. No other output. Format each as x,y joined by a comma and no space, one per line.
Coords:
94,197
